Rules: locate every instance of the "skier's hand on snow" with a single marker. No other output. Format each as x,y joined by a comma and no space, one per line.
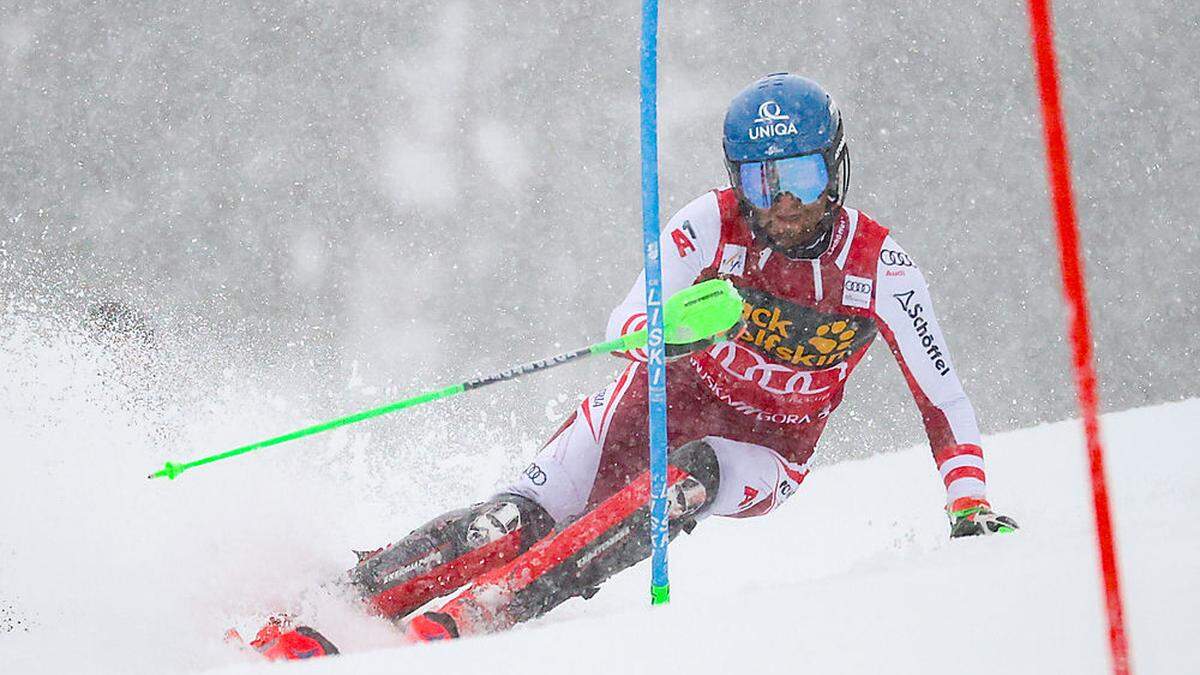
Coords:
970,517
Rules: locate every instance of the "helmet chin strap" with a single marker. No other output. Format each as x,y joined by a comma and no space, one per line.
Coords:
808,251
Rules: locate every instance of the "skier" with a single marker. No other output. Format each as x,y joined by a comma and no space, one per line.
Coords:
819,281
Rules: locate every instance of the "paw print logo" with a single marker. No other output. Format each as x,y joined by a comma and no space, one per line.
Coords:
833,336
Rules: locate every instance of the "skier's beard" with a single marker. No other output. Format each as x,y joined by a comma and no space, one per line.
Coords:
799,231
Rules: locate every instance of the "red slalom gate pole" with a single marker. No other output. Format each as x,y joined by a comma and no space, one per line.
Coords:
1059,175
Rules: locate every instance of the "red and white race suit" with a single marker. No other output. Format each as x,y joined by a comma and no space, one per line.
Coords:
762,399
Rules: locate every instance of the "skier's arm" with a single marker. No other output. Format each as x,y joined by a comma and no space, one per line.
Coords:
687,245
905,314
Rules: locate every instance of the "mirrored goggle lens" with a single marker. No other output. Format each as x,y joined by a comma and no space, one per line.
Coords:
805,178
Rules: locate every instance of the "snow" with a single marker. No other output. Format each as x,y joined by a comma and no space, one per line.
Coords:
857,576
103,571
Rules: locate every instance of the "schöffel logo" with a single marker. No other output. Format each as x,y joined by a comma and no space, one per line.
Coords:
771,122
915,311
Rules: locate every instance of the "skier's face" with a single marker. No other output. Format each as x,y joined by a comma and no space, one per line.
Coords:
791,222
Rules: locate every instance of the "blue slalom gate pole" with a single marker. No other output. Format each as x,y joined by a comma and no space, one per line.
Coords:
660,587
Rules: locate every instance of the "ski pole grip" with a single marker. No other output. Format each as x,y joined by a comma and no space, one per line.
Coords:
703,311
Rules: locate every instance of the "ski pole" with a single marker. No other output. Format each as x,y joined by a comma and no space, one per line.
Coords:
696,313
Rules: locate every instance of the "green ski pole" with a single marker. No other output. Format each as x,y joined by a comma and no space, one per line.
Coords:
696,313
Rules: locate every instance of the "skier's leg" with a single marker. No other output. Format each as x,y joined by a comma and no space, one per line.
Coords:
452,549
432,561
575,559
564,474
755,480
711,476
448,551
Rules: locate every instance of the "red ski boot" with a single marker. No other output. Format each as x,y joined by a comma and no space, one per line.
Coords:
280,641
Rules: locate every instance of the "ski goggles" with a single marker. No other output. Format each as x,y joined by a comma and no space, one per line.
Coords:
805,178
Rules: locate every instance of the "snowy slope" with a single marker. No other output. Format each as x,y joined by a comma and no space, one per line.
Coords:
103,571
107,573
856,575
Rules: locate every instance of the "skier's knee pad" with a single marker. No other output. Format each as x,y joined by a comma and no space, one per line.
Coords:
697,490
447,552
502,515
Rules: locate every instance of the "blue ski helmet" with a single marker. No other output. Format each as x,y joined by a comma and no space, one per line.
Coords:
783,116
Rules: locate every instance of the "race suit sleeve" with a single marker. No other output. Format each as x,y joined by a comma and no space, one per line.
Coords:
906,320
688,244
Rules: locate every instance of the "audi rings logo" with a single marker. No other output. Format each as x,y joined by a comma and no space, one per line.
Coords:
895,259
856,292
769,112
858,286
535,474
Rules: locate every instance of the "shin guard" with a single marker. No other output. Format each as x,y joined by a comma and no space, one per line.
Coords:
574,560
447,552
